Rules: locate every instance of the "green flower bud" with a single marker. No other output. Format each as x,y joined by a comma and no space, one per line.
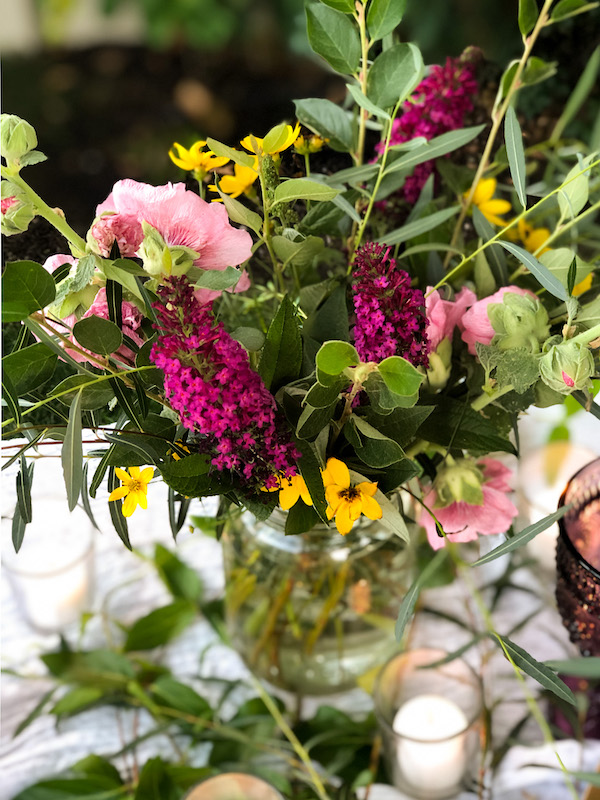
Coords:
567,367
161,259
16,210
520,321
440,365
17,138
459,481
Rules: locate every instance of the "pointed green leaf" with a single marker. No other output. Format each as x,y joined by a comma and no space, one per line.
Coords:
218,279
569,8
326,119
24,490
282,354
539,672
17,529
160,626
10,397
26,287
543,275
29,367
384,16
394,74
72,454
334,37
528,14
302,189
363,101
582,667
35,712
436,147
419,226
347,6
238,156
410,599
115,507
400,376
239,213
516,154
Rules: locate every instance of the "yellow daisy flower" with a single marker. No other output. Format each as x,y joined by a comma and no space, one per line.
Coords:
292,489
490,207
291,136
532,238
134,488
313,144
196,159
239,183
345,502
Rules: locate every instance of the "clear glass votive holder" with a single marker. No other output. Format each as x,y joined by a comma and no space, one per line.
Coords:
429,717
233,786
52,575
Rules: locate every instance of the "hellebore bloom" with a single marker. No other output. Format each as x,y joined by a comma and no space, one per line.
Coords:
346,502
490,207
485,507
475,323
181,218
134,488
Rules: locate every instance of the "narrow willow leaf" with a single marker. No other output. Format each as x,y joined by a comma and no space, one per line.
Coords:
436,147
584,86
539,672
85,496
18,529
24,490
495,254
543,275
583,667
114,299
24,449
125,401
353,175
101,470
72,454
116,513
513,139
521,538
238,156
420,226
528,14
410,599
34,713
11,397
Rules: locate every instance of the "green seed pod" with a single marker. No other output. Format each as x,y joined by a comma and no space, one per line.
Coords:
17,138
520,321
567,367
459,481
17,212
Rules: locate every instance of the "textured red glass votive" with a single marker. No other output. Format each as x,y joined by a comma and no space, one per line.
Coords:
578,559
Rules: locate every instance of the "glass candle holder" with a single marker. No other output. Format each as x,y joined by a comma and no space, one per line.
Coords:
233,786
428,716
52,575
578,560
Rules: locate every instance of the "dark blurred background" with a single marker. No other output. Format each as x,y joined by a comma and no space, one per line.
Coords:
110,84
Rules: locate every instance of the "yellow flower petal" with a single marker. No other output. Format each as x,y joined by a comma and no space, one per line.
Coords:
289,495
336,472
118,493
122,475
333,496
484,190
536,239
582,286
129,504
141,499
134,472
371,508
305,494
147,474
367,488
343,519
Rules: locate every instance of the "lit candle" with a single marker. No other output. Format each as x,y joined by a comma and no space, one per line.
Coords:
431,745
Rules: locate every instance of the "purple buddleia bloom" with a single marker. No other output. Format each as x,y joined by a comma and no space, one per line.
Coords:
217,394
390,315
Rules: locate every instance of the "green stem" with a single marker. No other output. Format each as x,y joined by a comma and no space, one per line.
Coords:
585,337
291,737
44,210
497,117
363,114
560,229
485,399
266,235
507,227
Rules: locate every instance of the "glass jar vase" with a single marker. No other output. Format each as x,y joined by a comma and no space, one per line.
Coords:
312,612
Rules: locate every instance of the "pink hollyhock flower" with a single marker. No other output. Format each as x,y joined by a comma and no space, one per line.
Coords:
444,315
182,219
465,521
53,262
475,323
125,229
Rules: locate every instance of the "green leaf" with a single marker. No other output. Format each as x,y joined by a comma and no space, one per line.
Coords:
26,287
521,538
436,147
92,788
239,213
251,338
302,188
313,420
383,400
333,358
569,8
539,672
183,698
543,275
94,394
320,396
455,423
10,397
400,376
115,506
573,197
310,469
72,453
583,667
420,226
34,713
494,253
218,279
384,16
333,36
76,700
347,6
364,102
160,626
519,368
578,96
155,783
410,599
24,477
401,425
182,581
394,74
282,354
17,529
95,765
375,449
528,14
537,70
98,335
29,367
124,278
125,400
354,176
515,152
238,156
326,119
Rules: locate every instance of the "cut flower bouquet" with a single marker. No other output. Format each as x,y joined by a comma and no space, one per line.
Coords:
273,332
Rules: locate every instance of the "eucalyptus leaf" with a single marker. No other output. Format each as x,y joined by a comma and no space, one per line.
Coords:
29,367
99,335
26,287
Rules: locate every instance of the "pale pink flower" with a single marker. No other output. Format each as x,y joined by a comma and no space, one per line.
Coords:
464,521
444,315
182,219
125,229
475,323
53,262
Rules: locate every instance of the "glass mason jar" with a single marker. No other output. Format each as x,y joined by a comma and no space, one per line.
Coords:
312,612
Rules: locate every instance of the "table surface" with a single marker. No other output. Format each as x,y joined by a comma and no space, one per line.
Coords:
128,587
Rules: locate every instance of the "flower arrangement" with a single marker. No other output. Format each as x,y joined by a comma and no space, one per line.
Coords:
286,334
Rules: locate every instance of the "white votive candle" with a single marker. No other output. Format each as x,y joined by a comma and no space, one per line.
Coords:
431,746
